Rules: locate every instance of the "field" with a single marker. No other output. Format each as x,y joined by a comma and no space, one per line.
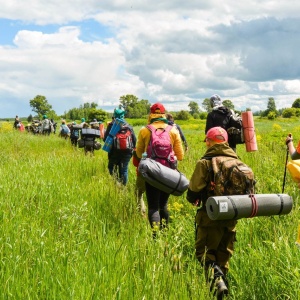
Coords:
69,232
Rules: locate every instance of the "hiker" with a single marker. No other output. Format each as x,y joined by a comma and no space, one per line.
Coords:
74,134
120,153
20,126
46,125
16,122
294,153
225,118
214,239
64,130
158,213
170,119
139,185
54,125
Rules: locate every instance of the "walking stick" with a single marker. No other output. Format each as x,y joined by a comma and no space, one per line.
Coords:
286,160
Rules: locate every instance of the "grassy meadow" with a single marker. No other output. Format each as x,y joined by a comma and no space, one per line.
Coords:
69,232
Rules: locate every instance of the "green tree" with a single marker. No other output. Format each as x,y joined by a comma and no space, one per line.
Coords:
228,104
289,112
98,114
296,103
206,105
271,104
30,118
271,107
128,101
194,108
40,105
183,115
133,107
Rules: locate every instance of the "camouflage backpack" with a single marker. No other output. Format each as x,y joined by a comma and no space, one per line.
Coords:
230,176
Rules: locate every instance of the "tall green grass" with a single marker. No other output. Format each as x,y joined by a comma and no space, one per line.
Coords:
69,232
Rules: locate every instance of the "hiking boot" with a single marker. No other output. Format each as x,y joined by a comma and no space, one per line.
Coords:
221,288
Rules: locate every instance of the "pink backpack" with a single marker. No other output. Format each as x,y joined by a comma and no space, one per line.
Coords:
160,147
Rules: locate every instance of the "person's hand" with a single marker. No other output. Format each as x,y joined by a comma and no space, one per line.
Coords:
196,202
288,139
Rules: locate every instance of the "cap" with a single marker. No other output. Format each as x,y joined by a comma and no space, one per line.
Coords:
217,134
215,100
82,119
157,108
44,116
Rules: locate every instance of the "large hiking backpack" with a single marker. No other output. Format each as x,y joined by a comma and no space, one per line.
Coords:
74,133
235,131
230,176
160,147
64,129
123,139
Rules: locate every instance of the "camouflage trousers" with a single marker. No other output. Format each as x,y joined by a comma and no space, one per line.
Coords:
214,240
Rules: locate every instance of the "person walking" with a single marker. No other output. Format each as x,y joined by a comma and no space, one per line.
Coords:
214,239
158,213
64,130
294,152
16,122
119,156
139,188
46,125
171,121
225,118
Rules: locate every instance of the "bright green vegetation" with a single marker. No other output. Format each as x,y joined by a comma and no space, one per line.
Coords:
69,232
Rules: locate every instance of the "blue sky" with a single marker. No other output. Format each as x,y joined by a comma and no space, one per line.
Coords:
173,52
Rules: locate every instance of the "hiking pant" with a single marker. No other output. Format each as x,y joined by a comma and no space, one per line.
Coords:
214,239
158,213
118,166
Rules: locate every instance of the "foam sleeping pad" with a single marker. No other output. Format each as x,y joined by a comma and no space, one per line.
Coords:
248,206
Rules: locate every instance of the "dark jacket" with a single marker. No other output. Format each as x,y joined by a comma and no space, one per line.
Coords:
223,117
180,132
201,176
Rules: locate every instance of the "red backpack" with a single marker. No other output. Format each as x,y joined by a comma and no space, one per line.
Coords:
123,139
160,147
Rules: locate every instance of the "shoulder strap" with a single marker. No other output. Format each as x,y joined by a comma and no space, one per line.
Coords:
151,127
168,128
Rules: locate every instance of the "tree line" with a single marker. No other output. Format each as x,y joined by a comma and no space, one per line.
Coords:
136,109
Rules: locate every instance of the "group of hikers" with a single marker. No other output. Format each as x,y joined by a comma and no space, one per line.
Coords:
163,141
214,239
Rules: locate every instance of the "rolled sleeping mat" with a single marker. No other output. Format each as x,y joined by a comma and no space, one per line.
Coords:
118,123
249,131
163,178
248,206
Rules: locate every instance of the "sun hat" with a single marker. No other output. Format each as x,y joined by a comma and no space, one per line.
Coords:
157,108
119,113
217,134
